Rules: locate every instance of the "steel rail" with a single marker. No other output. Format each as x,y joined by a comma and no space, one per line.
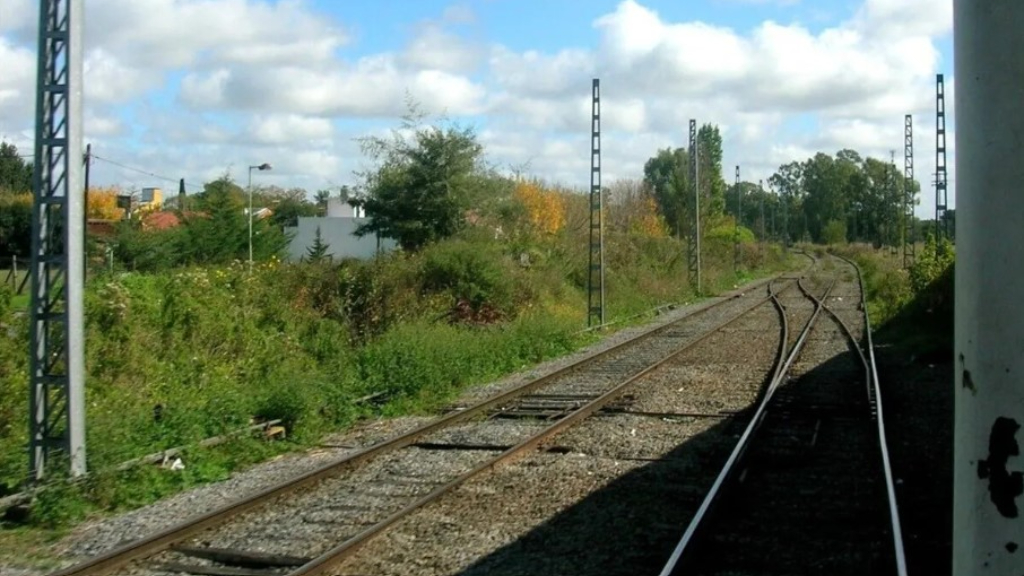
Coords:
160,541
876,392
744,441
339,553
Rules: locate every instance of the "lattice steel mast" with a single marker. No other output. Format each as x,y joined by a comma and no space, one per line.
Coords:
693,240
56,362
739,222
941,226
595,283
909,230
893,212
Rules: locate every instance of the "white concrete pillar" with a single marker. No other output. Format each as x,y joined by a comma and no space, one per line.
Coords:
988,504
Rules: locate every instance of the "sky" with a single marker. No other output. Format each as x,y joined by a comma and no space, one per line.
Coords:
195,89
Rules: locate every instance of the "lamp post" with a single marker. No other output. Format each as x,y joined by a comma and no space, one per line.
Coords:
261,167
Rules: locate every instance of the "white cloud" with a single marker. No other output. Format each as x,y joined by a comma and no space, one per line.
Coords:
18,16
288,128
435,49
223,81
17,101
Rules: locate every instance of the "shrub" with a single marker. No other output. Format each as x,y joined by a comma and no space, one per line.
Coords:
473,275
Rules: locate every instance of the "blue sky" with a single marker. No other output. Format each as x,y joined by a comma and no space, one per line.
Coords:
197,88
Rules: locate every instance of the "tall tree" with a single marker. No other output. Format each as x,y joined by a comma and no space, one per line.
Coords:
788,181
219,230
709,143
421,188
666,176
15,172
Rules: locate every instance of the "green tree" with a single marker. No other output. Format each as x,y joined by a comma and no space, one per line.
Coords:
288,210
15,172
319,251
788,180
666,175
218,232
320,198
15,224
834,232
421,188
709,143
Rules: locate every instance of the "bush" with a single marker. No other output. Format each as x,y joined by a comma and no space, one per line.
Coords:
834,232
473,275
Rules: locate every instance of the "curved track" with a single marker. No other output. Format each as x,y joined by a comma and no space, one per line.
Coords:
808,488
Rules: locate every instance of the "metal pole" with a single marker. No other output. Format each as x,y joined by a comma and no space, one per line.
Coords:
908,191
595,272
739,222
987,530
694,238
85,210
56,333
249,187
941,229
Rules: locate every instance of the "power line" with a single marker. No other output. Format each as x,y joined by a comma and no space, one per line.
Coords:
144,172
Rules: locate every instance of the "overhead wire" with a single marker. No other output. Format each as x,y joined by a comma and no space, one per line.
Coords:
145,172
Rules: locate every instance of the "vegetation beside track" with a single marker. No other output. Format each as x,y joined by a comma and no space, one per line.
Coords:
177,356
911,307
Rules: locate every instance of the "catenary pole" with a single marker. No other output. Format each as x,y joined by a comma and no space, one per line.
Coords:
988,529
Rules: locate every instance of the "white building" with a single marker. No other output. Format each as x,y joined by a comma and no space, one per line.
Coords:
337,230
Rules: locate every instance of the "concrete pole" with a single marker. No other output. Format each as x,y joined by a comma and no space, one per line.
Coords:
75,238
988,528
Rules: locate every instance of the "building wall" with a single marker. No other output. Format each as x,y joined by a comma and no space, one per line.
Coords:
337,233
338,209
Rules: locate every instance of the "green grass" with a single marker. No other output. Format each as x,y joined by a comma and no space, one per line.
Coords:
20,302
216,347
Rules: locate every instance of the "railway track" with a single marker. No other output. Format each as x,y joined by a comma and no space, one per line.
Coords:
310,523
808,488
609,499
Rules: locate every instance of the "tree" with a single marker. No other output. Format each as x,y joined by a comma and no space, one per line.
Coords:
102,204
545,209
709,145
321,197
288,210
219,230
420,190
666,176
633,209
15,173
15,224
319,251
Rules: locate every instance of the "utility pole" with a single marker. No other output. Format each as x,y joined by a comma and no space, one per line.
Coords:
85,213
56,332
989,318
694,238
909,232
739,223
785,220
595,275
893,212
761,189
941,229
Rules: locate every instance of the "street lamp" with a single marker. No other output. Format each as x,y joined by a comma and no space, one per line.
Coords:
261,167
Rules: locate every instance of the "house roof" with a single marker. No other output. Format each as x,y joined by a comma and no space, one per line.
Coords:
160,220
